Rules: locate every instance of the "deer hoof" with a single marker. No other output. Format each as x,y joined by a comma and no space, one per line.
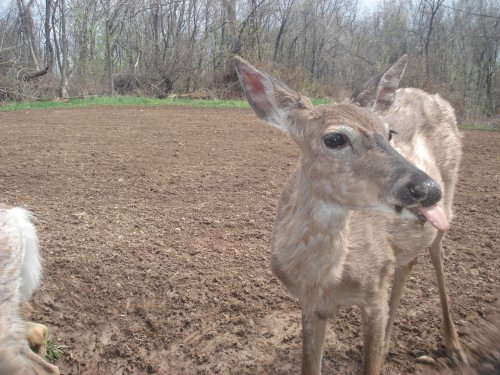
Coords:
457,356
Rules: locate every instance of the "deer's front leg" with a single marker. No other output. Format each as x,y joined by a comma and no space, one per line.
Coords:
313,334
453,347
374,325
401,275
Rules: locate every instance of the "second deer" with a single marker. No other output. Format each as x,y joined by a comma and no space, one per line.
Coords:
356,208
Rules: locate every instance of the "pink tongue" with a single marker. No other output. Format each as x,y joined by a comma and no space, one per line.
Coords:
436,216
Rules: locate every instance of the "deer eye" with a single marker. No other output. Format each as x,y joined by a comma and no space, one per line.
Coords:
335,140
391,132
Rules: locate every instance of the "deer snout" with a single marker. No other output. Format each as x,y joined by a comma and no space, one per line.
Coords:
422,191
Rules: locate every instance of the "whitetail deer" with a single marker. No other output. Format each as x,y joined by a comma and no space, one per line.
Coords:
355,208
20,274
428,137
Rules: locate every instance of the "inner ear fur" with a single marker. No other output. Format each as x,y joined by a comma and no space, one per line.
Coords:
272,100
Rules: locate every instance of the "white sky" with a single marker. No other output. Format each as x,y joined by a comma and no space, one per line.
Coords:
364,4
4,4
368,4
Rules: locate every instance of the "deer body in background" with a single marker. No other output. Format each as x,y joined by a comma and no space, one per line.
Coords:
335,237
20,275
428,137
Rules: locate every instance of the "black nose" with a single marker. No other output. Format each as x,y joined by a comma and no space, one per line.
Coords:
426,192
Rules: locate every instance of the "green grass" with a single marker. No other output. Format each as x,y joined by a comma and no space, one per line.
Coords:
149,101
477,127
131,100
320,101
124,100
54,352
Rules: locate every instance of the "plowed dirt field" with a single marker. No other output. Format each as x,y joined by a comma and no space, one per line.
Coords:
155,225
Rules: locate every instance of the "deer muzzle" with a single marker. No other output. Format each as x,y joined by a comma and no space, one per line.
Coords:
420,194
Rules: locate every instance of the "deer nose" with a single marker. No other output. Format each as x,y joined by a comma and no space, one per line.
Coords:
426,193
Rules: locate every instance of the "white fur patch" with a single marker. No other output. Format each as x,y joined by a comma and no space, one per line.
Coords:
278,119
421,152
383,208
327,212
31,272
405,214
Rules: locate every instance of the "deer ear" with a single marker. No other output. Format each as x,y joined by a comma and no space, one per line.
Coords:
365,94
378,93
272,100
388,85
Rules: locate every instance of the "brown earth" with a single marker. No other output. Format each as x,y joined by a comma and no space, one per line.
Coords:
155,225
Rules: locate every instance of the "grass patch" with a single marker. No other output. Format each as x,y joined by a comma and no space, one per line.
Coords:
477,127
54,352
320,101
132,100
124,100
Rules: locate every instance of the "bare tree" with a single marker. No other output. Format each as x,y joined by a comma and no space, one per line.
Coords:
433,7
26,19
284,12
61,42
323,46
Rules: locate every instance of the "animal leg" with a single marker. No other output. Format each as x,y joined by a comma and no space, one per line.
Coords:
374,325
401,275
313,334
453,347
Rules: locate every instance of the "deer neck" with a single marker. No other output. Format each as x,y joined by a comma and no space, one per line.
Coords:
309,240
322,212
326,231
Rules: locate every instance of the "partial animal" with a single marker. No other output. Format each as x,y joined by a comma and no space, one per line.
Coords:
20,275
425,134
356,207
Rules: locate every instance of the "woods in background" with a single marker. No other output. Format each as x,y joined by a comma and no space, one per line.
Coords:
61,48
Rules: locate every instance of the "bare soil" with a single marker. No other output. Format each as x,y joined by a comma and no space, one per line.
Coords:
155,225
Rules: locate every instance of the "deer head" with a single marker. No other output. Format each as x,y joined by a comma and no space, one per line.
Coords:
346,156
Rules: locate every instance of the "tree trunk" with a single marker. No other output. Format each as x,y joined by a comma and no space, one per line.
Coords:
63,85
48,46
229,74
434,6
109,57
27,25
